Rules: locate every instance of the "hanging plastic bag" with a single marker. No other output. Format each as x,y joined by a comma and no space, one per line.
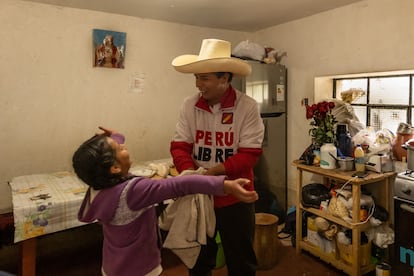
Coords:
345,114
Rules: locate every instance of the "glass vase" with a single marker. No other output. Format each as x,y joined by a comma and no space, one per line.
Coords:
328,156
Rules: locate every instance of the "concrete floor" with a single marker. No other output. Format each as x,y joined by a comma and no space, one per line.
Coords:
78,252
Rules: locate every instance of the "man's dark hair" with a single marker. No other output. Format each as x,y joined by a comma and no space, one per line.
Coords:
220,74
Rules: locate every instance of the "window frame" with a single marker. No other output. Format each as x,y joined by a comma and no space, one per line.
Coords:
408,108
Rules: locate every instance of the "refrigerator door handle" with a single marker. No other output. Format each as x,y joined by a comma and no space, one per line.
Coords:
271,115
407,207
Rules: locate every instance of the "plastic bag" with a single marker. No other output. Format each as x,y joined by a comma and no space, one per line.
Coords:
344,113
381,236
354,126
378,142
365,137
246,49
351,95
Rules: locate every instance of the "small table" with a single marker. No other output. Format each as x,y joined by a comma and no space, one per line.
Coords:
48,203
43,204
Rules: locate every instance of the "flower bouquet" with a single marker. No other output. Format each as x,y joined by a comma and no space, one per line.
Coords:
323,122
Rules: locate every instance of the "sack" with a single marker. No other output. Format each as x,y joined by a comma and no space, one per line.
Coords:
290,224
249,50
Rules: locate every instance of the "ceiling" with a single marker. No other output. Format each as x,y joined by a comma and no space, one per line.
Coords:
239,15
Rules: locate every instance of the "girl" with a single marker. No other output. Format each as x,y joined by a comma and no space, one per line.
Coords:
125,204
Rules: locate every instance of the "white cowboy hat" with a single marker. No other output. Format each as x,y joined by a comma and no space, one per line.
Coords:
214,56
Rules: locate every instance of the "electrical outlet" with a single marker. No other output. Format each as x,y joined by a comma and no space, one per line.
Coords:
304,101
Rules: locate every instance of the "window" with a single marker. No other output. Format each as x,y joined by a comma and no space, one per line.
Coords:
381,102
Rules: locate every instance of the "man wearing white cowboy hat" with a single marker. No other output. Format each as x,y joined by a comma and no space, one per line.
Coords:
220,129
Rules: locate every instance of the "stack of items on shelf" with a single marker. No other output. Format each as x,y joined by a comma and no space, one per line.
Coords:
332,238
321,233
343,242
336,131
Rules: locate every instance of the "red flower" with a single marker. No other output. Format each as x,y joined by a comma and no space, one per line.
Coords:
309,112
322,130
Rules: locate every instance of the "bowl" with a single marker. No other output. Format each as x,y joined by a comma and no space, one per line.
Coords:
346,163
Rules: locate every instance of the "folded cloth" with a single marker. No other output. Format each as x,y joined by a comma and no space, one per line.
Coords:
161,169
200,170
188,220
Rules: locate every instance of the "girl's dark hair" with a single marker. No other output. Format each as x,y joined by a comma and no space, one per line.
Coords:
92,162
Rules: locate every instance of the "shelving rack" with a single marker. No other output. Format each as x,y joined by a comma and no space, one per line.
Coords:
381,188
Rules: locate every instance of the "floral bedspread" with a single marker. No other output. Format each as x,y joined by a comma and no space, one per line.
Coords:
45,203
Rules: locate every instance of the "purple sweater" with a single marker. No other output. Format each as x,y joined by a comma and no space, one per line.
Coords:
129,221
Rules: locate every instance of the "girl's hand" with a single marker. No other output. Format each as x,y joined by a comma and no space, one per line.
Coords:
106,131
235,188
118,137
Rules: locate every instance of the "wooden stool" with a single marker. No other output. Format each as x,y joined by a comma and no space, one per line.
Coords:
266,240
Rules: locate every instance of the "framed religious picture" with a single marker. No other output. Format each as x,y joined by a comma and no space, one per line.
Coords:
109,48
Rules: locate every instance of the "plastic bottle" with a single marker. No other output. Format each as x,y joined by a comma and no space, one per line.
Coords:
327,161
359,155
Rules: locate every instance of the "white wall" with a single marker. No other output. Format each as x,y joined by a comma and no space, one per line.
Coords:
52,98
369,36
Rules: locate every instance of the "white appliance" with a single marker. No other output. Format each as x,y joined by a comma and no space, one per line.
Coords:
380,163
267,85
404,185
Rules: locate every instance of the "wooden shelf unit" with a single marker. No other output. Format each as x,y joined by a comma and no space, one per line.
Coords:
384,192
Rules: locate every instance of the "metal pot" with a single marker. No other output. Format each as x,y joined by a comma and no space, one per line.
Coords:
405,132
346,163
409,146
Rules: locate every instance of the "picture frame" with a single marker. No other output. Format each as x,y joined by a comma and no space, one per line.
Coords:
109,49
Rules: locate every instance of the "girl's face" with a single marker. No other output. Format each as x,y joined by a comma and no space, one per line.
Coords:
211,87
122,156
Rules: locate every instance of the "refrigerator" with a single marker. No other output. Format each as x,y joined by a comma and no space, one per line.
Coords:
267,85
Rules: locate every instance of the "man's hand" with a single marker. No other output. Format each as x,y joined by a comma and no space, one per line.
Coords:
235,188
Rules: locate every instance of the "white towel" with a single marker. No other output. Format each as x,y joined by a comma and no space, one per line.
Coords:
188,219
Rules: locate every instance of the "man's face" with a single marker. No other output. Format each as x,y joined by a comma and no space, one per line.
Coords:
211,87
